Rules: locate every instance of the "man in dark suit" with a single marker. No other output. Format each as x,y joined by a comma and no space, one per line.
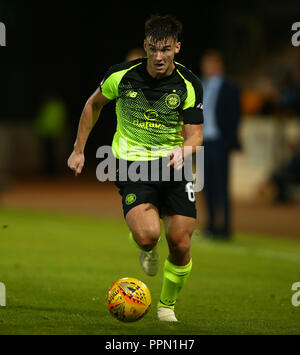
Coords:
221,106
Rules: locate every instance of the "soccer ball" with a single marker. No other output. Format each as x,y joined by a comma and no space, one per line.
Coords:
128,299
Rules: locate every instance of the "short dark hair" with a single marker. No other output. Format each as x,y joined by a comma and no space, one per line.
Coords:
161,27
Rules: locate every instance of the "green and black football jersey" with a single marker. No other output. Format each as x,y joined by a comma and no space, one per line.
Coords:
151,112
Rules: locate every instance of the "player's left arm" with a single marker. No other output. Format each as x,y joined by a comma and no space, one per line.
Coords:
194,138
193,123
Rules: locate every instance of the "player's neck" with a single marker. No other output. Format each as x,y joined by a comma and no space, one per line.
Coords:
156,75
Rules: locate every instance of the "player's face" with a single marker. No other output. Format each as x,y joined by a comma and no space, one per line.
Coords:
160,56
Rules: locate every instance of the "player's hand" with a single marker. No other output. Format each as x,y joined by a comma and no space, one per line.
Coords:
176,159
76,162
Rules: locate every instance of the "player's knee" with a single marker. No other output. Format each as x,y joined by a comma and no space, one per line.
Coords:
147,244
147,238
181,248
180,244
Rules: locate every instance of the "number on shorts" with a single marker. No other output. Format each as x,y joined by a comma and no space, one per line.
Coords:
189,188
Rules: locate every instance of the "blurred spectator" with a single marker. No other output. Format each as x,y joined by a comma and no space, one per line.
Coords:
287,104
135,53
50,123
288,93
221,104
278,186
268,93
284,101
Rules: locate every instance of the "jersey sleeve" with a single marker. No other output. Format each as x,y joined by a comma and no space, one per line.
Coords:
193,106
109,84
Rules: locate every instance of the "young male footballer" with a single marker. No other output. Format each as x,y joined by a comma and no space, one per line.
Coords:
155,96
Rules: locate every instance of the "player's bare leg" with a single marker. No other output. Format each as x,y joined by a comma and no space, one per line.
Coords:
179,230
144,224
178,266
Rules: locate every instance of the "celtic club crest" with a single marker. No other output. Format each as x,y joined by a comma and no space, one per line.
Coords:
173,101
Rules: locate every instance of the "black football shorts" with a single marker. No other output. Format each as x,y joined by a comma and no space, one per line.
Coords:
169,196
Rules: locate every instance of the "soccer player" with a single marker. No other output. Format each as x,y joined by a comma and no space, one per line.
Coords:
155,96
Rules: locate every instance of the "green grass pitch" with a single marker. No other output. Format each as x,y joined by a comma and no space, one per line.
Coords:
57,269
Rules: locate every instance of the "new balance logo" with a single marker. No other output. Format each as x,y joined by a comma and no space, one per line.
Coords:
132,94
200,106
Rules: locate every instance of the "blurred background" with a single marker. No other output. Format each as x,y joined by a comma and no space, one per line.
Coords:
56,55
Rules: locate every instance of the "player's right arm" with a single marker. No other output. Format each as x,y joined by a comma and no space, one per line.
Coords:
89,117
